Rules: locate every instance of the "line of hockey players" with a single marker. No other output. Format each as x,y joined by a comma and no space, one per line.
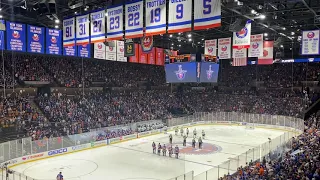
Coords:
164,150
185,136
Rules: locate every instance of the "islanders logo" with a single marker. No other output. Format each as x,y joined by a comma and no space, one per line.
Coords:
181,74
209,72
35,37
310,35
243,33
210,50
53,39
189,150
147,43
265,53
121,49
110,48
255,45
16,34
224,48
99,46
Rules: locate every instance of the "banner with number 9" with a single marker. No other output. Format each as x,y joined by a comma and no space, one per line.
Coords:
98,29
68,32
134,19
155,17
179,16
115,22
82,29
207,14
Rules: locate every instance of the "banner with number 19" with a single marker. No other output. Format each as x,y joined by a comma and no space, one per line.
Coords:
155,17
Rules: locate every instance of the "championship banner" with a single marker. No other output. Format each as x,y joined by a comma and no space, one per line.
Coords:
16,36
84,50
267,53
156,18
135,58
180,16
115,22
129,49
53,41
120,52
207,14
310,43
147,43
68,32
111,52
239,57
256,46
224,48
2,23
35,39
210,47
152,56
159,57
99,51
241,39
98,29
134,19
70,50
82,29
143,58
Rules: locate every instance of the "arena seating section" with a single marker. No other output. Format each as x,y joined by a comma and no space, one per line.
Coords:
46,116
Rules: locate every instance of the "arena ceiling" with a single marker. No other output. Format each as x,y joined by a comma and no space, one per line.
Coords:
284,19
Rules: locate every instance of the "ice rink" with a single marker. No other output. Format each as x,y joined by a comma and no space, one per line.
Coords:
134,160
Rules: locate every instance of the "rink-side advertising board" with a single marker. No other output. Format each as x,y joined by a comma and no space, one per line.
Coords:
128,137
99,143
80,147
114,140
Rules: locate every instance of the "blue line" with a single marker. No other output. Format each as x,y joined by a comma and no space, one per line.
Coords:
180,23
207,19
134,1
134,30
156,27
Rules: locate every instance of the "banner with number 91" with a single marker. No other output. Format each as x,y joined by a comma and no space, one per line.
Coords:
98,29
179,16
115,22
155,17
68,32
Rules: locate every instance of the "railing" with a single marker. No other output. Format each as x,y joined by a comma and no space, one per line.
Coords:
23,150
270,150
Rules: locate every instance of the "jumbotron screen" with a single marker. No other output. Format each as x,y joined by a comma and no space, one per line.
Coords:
181,72
209,72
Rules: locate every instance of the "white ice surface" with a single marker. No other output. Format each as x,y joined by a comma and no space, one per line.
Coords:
133,160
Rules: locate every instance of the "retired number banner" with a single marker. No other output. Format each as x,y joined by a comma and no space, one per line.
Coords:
224,48
98,29
179,16
241,39
207,14
155,18
210,47
82,29
68,32
310,42
115,23
134,19
256,46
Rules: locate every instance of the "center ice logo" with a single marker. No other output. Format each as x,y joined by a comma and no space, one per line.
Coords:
180,73
310,35
209,73
243,33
